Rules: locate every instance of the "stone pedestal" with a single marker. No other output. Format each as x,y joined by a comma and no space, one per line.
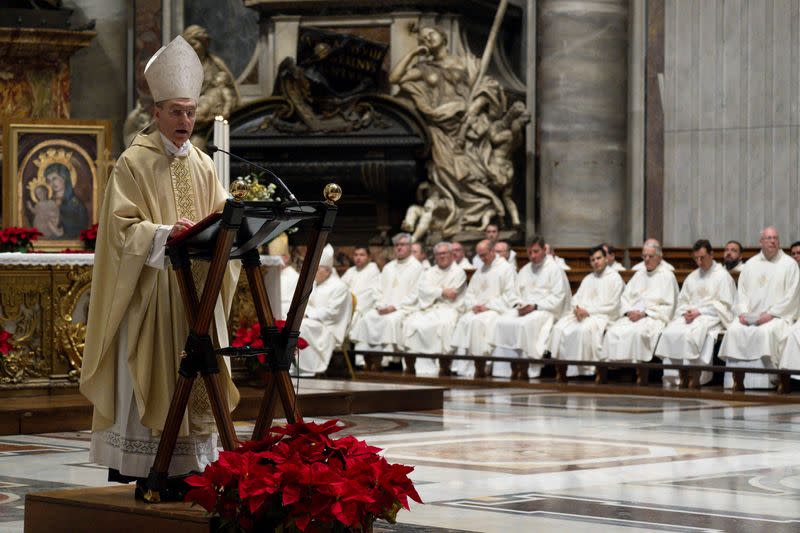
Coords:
34,71
583,129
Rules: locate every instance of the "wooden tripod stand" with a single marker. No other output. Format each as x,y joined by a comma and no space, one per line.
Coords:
236,233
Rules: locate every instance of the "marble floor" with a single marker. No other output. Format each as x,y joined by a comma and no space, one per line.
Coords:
516,460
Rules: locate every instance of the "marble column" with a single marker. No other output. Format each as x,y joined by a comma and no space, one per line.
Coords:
583,98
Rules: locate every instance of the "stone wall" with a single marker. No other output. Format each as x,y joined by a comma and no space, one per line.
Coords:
731,96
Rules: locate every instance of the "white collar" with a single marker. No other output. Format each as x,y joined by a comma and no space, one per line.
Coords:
174,151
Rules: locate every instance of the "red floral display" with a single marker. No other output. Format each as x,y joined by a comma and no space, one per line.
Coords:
89,237
5,346
250,336
299,477
18,239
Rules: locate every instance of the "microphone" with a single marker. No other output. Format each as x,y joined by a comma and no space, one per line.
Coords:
211,148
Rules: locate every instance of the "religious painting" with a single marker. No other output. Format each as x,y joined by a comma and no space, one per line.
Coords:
54,174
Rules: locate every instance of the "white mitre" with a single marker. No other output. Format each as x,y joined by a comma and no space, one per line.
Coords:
174,71
326,259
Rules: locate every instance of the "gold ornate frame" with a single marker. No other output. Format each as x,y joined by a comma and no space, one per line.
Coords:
29,146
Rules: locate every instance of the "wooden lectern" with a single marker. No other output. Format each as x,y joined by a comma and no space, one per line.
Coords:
236,233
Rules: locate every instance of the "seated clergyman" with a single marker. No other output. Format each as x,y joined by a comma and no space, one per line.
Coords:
491,292
705,308
611,254
459,257
441,301
381,328
641,265
418,251
543,296
328,313
648,302
766,304
579,335
732,256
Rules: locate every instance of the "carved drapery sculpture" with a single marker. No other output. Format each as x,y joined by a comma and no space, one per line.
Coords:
473,135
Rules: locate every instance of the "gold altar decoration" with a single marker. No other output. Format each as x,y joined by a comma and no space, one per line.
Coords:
44,308
35,66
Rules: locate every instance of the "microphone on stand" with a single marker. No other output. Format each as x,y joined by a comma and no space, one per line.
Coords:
211,148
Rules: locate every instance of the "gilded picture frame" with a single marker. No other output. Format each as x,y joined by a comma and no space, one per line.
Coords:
54,176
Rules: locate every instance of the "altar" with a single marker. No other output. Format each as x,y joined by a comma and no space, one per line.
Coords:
44,302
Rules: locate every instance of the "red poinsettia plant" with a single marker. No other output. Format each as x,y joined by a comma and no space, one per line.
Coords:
250,337
299,478
18,239
89,236
5,346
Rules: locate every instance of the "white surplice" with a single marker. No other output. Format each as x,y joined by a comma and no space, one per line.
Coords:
429,329
491,286
617,266
546,286
599,294
765,286
397,287
653,293
363,284
713,293
328,313
289,277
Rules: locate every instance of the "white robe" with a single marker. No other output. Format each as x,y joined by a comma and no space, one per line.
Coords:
617,266
363,284
289,277
397,287
465,264
713,293
328,313
429,329
654,293
640,266
545,285
764,287
491,286
599,294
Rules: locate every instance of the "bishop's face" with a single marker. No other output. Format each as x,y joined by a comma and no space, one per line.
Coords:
175,119
402,249
536,254
651,258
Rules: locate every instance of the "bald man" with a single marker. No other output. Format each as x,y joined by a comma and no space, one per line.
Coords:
767,304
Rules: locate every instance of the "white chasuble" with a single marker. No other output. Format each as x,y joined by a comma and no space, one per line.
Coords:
327,316
429,329
598,294
491,286
364,285
545,286
712,292
398,288
137,326
653,293
765,286
289,277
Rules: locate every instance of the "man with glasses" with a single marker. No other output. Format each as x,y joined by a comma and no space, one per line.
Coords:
441,301
381,328
648,302
767,304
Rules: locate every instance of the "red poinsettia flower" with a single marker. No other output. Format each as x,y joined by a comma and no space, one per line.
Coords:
302,477
5,346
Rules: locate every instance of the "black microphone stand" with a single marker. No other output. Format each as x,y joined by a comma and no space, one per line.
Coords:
211,148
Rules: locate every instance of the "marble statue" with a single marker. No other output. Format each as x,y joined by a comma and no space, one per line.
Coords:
473,134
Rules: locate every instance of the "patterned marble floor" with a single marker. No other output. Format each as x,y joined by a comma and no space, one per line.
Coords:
500,460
